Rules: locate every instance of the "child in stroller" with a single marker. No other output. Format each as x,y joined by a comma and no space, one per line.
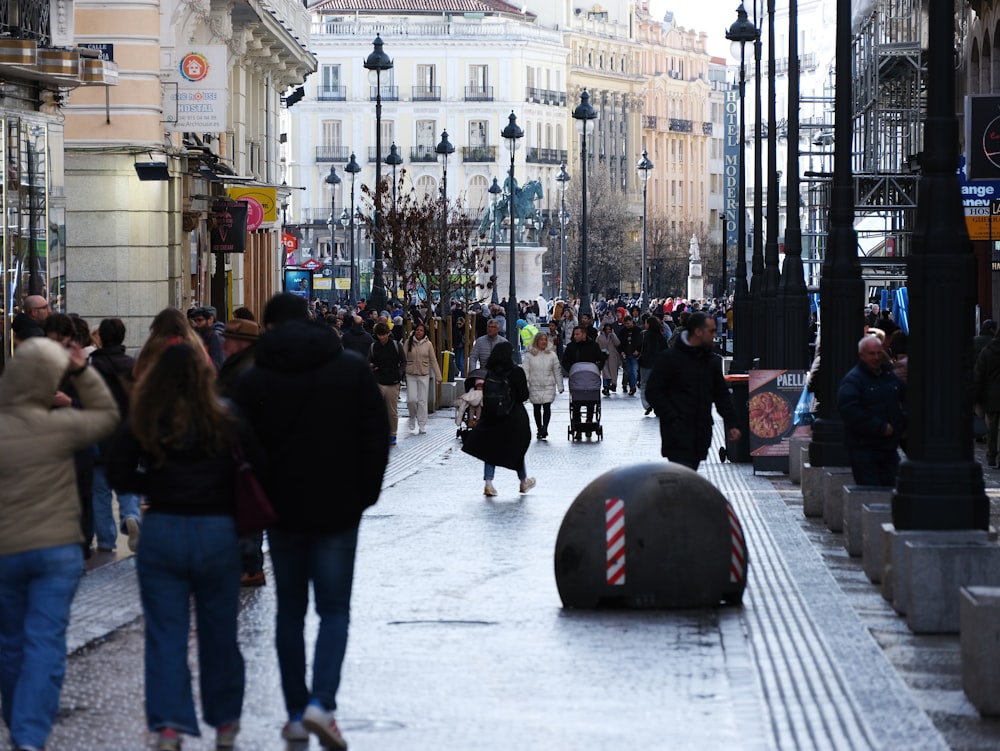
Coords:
469,406
584,392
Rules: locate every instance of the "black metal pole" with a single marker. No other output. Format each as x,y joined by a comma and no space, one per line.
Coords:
772,274
584,263
841,290
741,294
352,299
792,333
940,486
513,335
759,321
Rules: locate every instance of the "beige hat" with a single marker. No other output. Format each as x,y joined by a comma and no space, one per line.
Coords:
239,328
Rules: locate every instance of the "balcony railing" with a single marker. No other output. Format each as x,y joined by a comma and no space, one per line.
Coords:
649,122
479,153
389,93
479,93
546,96
423,154
373,155
332,153
332,93
426,93
677,125
545,156
706,129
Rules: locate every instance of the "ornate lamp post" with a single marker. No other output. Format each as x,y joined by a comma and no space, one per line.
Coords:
393,159
758,321
353,168
741,33
377,63
444,148
768,353
644,166
562,181
333,180
495,190
512,134
585,115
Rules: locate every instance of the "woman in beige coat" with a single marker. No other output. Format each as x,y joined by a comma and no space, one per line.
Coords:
41,538
420,365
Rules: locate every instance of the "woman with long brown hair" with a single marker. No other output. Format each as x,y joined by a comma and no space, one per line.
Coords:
177,449
169,327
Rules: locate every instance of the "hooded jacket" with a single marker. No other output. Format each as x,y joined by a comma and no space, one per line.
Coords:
39,502
303,388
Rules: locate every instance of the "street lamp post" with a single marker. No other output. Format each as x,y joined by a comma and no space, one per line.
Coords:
740,34
333,180
772,271
644,166
377,63
444,148
758,320
585,115
393,159
512,134
940,484
841,289
562,180
495,190
353,168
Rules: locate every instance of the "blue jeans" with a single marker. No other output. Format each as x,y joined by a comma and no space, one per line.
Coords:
104,516
490,471
631,370
36,590
180,556
327,562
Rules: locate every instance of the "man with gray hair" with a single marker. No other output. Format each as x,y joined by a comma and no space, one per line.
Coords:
484,345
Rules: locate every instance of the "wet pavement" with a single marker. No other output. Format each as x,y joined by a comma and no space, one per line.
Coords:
459,641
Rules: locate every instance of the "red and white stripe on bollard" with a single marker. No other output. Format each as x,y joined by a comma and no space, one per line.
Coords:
614,518
738,560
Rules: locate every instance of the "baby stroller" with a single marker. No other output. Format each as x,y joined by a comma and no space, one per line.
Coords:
468,406
584,393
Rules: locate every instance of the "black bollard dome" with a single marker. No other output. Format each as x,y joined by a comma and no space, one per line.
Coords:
654,535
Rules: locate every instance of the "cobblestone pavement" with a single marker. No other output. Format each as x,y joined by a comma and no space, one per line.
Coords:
459,640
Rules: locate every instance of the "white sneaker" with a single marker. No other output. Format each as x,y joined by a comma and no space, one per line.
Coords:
295,731
321,723
527,484
489,489
422,431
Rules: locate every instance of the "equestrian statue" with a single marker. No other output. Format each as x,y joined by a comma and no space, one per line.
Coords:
524,206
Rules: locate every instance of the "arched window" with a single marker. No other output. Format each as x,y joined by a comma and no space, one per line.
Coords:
478,195
426,186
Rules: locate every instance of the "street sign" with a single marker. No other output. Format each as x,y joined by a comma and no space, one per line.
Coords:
312,264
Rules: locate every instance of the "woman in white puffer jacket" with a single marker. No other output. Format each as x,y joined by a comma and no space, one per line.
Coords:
544,375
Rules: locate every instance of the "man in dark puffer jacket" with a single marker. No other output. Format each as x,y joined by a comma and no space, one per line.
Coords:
303,382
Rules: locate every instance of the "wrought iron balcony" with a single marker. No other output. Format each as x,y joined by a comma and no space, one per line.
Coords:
677,125
545,156
389,93
426,93
332,153
545,96
479,153
423,154
332,93
479,93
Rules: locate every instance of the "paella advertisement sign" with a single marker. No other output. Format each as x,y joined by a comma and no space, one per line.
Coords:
773,396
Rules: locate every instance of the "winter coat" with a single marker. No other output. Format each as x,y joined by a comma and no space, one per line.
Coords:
482,348
39,502
683,385
867,401
631,341
585,351
302,386
503,441
420,359
609,344
388,361
653,342
543,374
987,376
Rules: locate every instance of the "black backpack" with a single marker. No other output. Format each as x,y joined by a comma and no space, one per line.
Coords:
498,401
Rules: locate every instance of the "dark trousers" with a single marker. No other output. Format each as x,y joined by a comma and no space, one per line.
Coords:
874,466
542,414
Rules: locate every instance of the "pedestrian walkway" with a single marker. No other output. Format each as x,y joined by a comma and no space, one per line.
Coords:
459,641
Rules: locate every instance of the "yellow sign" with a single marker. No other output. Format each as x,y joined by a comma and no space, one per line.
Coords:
266,197
979,227
321,283
343,282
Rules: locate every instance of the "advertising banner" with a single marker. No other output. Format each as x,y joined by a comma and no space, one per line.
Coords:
773,396
262,204
731,170
982,142
195,90
229,227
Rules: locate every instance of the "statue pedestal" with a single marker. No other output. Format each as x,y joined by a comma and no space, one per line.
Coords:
528,272
696,282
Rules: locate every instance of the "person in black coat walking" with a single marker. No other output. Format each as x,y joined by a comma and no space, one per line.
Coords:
303,382
684,383
503,440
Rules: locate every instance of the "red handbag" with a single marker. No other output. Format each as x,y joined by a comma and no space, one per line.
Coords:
254,511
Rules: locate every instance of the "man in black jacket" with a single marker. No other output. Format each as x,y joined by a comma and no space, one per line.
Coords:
686,380
630,338
388,362
302,383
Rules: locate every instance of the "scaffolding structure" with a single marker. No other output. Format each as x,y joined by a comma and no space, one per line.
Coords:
889,106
